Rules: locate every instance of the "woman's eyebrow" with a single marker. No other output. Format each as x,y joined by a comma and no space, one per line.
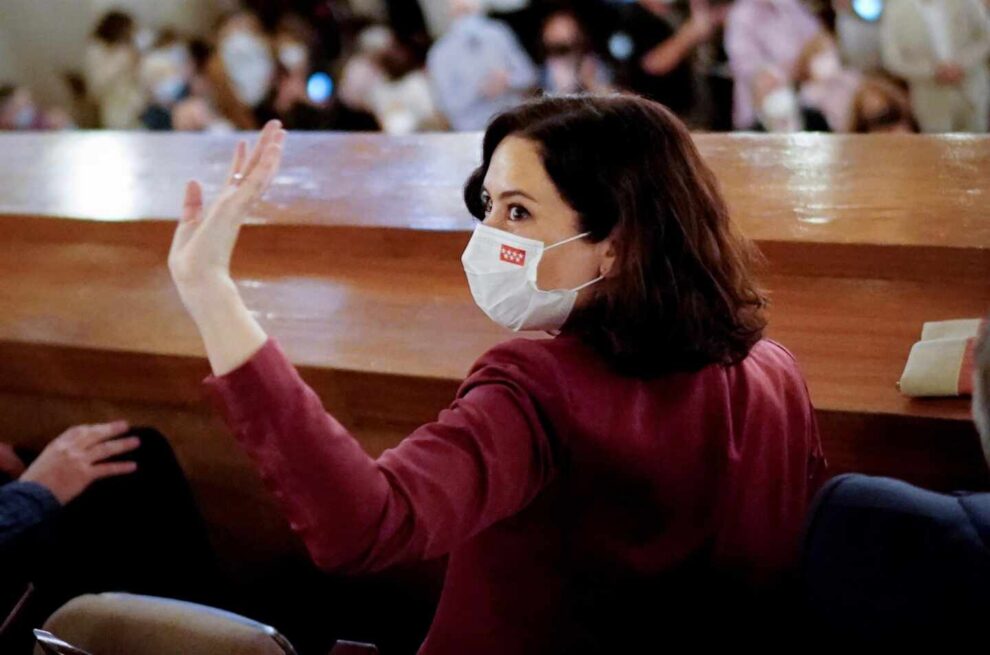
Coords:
512,192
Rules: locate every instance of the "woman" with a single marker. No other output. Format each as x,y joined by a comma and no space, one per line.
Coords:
111,67
569,63
242,71
648,466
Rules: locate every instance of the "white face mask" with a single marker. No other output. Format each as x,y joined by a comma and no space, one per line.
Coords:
249,65
292,55
501,271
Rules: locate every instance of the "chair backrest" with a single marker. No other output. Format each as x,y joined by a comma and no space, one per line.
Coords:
127,624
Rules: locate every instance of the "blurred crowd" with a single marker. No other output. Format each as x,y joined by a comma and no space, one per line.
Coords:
763,65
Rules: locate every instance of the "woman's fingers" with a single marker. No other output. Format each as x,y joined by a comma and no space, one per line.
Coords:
240,154
192,211
93,434
110,469
257,181
192,205
112,448
268,133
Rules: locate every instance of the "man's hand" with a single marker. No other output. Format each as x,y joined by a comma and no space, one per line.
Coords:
76,459
949,74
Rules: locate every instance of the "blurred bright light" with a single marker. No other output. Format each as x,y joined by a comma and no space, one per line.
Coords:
319,88
869,10
99,175
620,45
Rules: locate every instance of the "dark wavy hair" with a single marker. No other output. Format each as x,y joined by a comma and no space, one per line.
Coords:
681,294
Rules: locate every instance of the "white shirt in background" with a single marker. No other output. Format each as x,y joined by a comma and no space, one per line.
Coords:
938,27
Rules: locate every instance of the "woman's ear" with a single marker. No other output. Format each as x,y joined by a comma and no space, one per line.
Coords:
607,256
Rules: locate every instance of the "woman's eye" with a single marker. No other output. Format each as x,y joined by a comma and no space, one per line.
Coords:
517,213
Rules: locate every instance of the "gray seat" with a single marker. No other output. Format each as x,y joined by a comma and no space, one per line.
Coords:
127,624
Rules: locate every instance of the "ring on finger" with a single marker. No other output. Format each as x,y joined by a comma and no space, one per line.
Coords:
236,178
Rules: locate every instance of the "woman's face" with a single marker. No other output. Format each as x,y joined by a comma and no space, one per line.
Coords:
519,197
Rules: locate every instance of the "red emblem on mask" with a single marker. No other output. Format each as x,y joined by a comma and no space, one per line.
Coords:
512,255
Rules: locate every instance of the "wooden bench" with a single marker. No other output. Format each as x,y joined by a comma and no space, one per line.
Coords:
352,262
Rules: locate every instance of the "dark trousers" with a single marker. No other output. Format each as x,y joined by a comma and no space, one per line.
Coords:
887,563
140,533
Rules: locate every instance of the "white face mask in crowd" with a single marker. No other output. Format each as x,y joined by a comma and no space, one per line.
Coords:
249,65
501,270
167,91
292,55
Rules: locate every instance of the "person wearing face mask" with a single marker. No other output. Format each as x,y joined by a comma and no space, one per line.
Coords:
941,47
779,109
243,71
569,65
111,72
763,34
19,111
478,68
165,71
825,85
654,459
292,103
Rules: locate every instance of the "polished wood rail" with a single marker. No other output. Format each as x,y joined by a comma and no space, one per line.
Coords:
352,262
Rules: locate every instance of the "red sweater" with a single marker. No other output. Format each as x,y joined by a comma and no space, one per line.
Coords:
568,498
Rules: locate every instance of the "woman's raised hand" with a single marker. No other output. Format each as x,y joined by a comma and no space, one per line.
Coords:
201,250
204,241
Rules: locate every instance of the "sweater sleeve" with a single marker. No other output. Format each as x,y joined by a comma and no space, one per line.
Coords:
482,460
23,505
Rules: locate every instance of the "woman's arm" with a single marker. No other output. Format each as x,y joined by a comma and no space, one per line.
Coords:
668,54
482,460
202,247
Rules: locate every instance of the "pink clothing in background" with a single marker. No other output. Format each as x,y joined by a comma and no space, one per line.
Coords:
763,34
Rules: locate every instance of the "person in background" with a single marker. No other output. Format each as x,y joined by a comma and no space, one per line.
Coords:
384,79
243,71
478,68
857,37
293,50
19,111
660,63
111,72
84,112
761,35
889,564
360,76
403,99
824,85
941,47
102,507
166,72
881,106
778,108
569,64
